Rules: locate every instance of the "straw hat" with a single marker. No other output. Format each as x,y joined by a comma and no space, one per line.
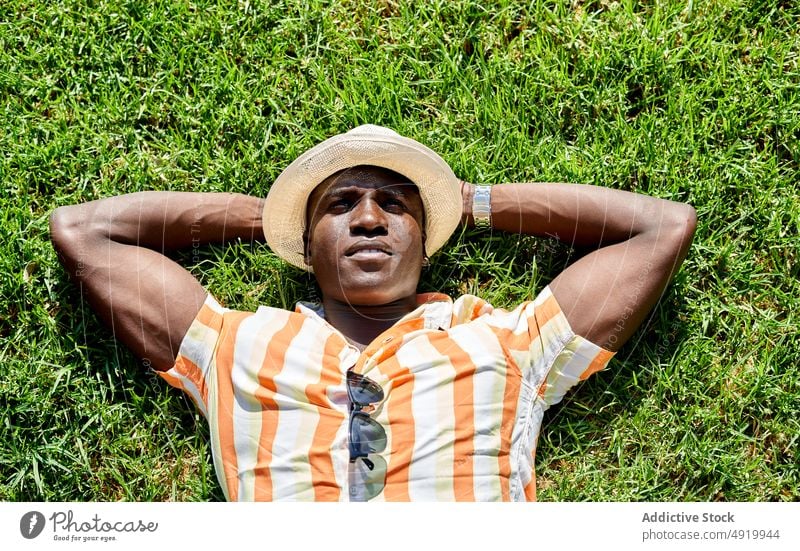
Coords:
284,216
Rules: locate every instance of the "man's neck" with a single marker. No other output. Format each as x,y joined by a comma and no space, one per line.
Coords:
361,324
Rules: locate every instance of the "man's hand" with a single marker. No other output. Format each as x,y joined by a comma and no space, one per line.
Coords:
113,248
641,242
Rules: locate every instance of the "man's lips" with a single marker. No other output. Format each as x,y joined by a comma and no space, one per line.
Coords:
368,249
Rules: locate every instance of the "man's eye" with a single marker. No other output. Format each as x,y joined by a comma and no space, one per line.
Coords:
394,205
339,205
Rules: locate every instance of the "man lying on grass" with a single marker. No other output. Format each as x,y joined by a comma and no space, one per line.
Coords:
378,392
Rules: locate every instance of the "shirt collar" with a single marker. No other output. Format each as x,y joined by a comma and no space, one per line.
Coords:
435,308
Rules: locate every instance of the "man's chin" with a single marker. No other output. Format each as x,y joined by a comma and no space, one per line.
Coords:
369,298
365,287
372,293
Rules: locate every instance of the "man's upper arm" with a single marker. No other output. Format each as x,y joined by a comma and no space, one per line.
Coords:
148,300
608,293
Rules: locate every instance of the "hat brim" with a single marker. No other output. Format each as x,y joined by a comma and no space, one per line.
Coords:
284,216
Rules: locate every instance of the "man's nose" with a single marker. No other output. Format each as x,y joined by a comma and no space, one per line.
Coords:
368,218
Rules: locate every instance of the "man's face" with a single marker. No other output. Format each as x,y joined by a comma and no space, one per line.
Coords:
365,239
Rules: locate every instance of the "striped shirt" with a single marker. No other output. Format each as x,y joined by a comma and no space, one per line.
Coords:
465,386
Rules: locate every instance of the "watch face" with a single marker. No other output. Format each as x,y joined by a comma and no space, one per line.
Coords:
481,206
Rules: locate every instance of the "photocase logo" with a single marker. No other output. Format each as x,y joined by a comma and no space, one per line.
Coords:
31,524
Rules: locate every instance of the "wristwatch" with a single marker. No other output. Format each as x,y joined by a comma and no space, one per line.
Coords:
482,206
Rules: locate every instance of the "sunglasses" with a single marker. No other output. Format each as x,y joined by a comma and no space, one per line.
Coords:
367,436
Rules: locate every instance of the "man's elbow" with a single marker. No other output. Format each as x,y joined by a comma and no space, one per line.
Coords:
67,229
60,224
679,227
686,219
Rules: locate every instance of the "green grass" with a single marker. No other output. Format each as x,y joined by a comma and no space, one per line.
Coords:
691,101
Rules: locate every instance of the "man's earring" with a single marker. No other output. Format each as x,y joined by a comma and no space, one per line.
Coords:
426,262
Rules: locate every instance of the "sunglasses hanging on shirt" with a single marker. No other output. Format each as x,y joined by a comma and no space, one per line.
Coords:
366,437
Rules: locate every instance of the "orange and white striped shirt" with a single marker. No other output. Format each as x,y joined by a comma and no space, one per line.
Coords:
465,388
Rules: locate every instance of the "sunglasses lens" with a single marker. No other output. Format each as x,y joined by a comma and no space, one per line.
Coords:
362,391
366,435
366,482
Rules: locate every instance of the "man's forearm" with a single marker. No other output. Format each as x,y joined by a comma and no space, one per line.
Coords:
166,220
582,215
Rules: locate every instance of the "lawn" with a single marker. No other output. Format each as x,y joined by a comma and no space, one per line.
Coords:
690,101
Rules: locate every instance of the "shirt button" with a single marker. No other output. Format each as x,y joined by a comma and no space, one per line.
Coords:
387,339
